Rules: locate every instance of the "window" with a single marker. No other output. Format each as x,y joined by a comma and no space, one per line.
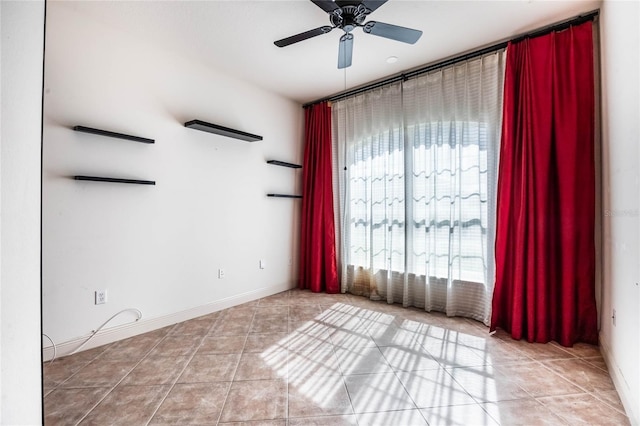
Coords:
422,153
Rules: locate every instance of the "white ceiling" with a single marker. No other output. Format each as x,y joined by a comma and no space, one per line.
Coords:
237,36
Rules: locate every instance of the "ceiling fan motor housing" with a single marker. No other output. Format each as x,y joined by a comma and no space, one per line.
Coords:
349,15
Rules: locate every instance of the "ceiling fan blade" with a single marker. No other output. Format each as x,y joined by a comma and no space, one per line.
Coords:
373,4
345,51
326,5
302,36
393,32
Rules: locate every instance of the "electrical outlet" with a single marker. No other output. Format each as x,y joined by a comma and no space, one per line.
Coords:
101,297
613,317
220,274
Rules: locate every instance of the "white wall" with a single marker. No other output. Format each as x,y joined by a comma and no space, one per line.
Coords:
620,48
158,248
22,29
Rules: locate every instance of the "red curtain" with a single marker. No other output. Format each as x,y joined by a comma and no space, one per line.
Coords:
545,249
318,266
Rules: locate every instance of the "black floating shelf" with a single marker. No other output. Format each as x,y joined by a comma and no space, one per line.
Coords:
220,130
116,180
284,164
112,134
284,196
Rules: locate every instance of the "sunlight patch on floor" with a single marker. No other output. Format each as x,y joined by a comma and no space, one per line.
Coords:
401,358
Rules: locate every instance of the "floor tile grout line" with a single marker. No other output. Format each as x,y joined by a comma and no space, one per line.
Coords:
585,390
79,369
553,411
532,395
547,408
286,403
529,395
246,337
366,331
341,374
289,332
415,404
595,395
204,336
586,359
121,379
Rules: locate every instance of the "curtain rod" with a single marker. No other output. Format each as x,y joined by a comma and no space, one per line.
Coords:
558,26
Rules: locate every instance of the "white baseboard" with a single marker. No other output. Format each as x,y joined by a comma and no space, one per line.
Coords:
630,405
113,334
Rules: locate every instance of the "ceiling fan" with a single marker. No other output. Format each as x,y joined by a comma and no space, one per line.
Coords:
347,15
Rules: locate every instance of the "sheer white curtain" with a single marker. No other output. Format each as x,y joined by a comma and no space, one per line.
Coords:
416,168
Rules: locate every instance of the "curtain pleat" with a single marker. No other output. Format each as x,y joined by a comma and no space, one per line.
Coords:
545,247
318,263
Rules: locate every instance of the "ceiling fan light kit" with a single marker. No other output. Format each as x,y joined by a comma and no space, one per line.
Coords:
348,15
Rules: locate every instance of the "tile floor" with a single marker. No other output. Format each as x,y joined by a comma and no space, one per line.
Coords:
298,358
